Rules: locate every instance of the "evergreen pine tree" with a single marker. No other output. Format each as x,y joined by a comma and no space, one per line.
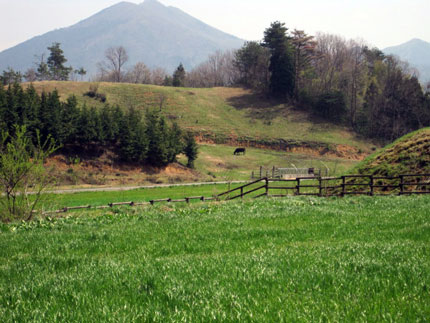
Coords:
85,133
281,60
109,124
56,62
174,146
133,141
157,135
3,108
10,114
179,76
52,117
32,104
190,149
69,120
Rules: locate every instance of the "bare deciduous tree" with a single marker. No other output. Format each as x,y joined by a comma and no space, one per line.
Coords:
30,75
139,74
217,70
158,75
111,69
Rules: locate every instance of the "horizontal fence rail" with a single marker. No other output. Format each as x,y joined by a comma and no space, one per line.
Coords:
371,185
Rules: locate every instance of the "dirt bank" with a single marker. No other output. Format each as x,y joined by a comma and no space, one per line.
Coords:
312,148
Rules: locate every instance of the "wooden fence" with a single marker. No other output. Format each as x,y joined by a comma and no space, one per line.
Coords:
279,172
333,186
151,202
303,186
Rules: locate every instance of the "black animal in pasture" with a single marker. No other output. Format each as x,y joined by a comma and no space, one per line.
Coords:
239,151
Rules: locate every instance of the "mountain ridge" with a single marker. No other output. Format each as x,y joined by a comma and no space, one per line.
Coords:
417,53
155,34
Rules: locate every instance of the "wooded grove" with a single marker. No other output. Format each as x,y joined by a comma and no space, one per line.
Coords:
145,140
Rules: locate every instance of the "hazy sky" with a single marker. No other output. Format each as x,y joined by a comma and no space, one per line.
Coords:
381,23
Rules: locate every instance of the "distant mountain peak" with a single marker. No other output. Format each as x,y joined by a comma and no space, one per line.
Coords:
417,53
417,41
412,42
152,2
151,32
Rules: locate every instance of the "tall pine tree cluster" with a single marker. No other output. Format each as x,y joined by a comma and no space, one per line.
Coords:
140,139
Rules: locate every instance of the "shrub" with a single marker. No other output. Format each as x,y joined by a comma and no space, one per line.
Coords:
22,170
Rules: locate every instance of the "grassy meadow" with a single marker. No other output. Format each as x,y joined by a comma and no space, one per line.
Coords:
219,163
231,112
295,259
58,201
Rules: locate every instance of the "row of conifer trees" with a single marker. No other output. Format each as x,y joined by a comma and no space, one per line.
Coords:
141,139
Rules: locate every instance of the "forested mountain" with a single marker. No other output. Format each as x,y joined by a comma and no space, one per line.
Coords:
152,33
417,53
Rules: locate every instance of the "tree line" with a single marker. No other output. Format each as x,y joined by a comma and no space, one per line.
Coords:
342,81
135,138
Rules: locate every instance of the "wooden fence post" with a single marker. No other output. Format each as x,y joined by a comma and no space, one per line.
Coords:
343,186
241,192
371,185
401,184
298,186
273,172
320,185
267,186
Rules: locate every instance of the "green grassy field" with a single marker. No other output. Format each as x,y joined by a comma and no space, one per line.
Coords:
231,112
57,201
219,163
296,259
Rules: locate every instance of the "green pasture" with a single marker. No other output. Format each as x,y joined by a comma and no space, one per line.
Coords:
228,112
219,163
57,201
296,259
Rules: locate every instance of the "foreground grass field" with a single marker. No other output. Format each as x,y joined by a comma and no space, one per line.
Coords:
297,259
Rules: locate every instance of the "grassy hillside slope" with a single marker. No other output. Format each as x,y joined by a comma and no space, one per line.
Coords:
224,115
297,259
409,154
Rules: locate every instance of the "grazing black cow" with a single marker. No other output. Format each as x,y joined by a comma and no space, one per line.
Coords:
239,151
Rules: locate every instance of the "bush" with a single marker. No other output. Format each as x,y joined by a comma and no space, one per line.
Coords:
93,93
22,171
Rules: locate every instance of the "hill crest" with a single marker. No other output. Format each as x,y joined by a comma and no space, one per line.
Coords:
407,155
